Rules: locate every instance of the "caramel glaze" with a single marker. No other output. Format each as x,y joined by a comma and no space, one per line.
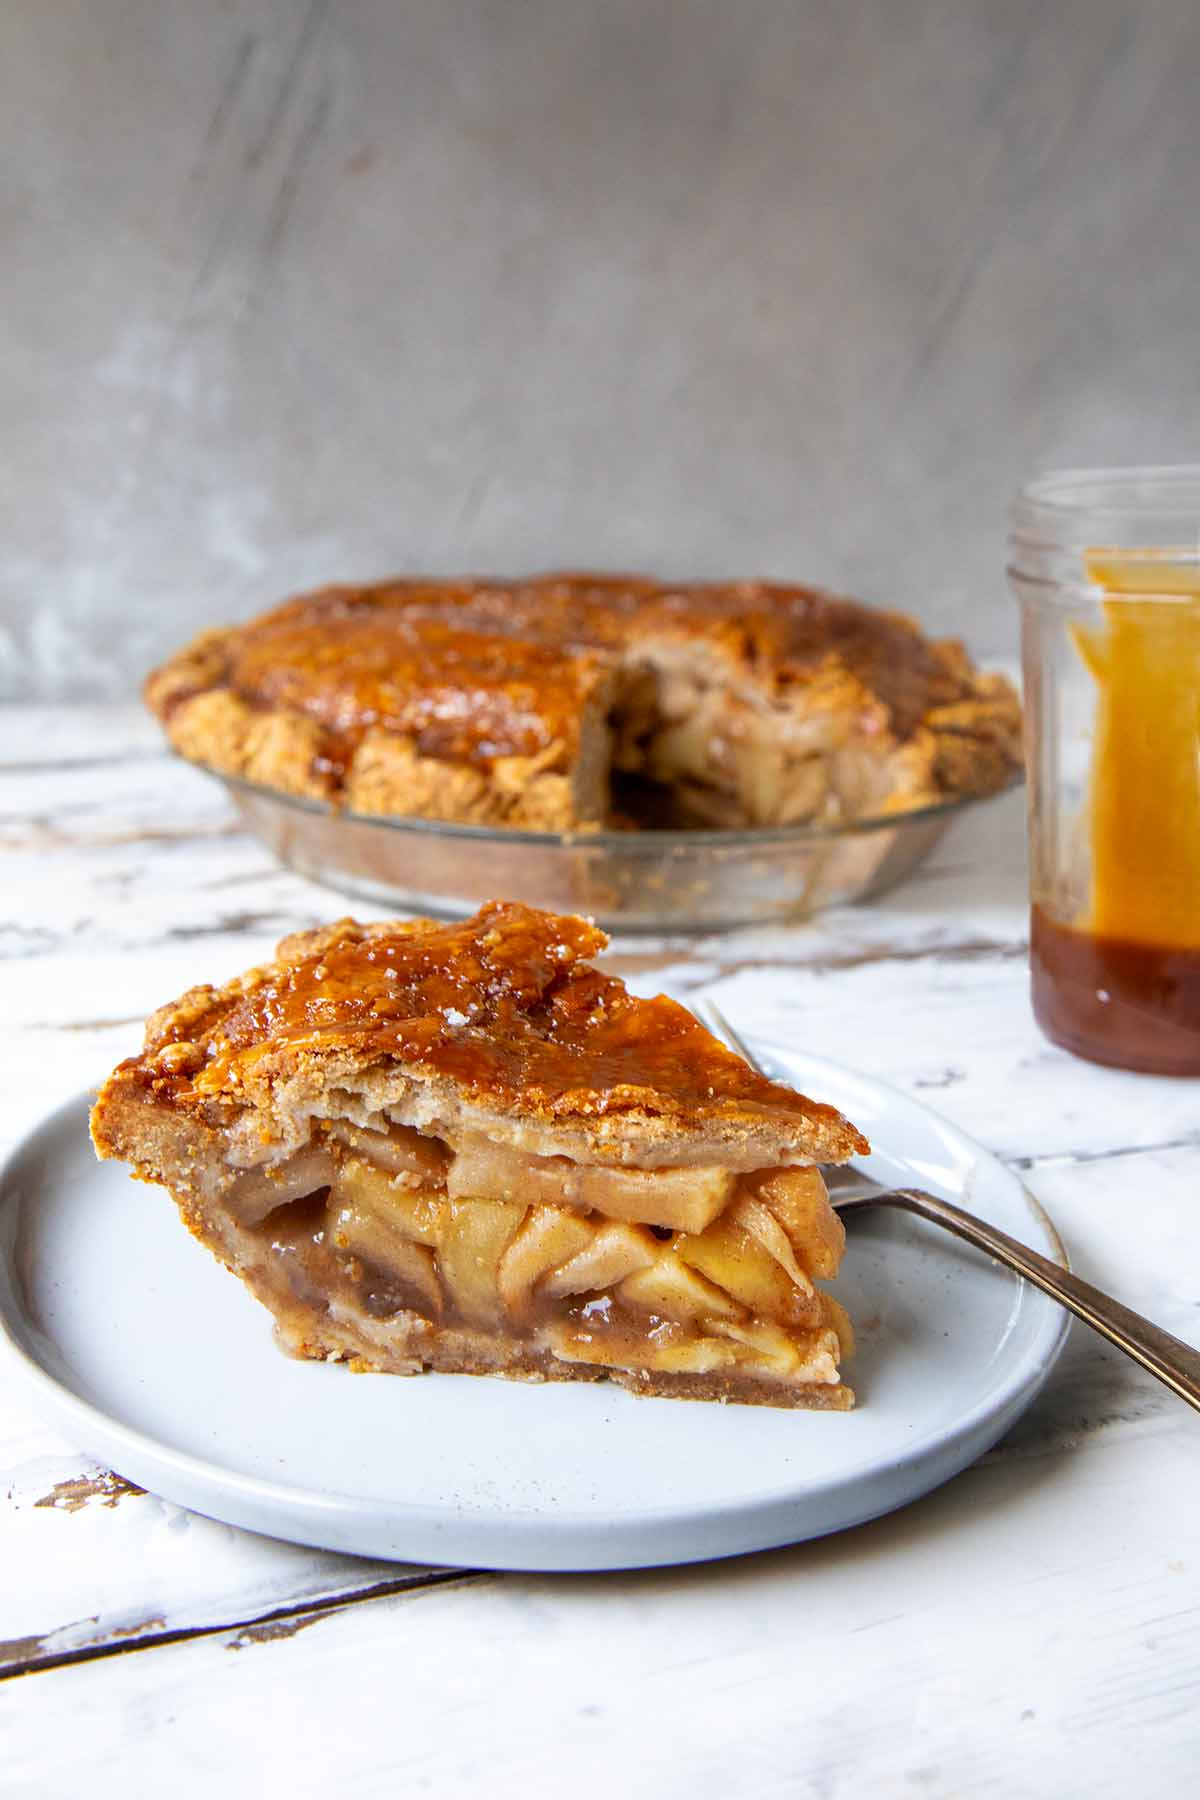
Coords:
502,1005
458,694
476,670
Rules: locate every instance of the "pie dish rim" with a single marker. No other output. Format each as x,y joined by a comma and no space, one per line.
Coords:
647,840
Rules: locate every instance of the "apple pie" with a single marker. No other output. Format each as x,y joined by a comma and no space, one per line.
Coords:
461,1147
578,701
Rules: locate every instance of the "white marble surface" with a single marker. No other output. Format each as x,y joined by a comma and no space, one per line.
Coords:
1032,1629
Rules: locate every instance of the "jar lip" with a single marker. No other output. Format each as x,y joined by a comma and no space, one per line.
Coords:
1057,487
1157,489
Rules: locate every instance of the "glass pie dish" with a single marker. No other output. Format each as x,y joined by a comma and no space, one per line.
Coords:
628,881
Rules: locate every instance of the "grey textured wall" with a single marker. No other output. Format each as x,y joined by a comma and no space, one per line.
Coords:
297,291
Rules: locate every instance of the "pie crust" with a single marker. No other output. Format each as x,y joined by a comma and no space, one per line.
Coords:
582,700
461,1147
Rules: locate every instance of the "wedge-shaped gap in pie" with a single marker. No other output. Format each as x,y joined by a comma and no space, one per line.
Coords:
461,1147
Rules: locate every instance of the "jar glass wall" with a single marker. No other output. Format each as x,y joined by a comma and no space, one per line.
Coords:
1106,567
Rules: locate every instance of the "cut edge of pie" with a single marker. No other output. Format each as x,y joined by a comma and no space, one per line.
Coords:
460,1147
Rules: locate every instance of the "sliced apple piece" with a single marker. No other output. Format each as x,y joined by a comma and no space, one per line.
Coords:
680,1199
416,1215
380,1242
692,1355
839,1320
474,1238
818,1352
770,1348
762,1224
550,1236
683,747
669,1289
253,1194
614,1252
737,1262
408,1268
799,1201
398,1151
483,1170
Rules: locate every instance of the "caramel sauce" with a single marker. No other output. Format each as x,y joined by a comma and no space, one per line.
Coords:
1121,984
502,1004
1114,1000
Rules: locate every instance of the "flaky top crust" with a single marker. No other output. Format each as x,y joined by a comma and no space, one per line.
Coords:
480,670
502,1011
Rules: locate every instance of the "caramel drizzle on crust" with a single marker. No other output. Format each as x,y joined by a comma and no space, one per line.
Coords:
478,670
503,1007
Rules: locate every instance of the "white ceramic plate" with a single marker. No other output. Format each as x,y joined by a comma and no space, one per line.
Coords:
148,1355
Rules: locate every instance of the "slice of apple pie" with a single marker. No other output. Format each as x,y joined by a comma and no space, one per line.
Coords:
461,1147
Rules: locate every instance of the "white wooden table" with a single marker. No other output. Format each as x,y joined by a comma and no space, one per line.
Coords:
1033,1628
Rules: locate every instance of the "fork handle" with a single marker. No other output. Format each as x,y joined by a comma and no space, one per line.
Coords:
1174,1363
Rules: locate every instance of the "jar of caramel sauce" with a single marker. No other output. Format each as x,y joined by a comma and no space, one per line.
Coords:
1106,566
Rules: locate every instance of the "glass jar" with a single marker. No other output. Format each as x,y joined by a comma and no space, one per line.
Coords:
1106,567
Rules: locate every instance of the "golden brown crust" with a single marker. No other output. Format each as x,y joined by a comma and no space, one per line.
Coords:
499,1015
436,699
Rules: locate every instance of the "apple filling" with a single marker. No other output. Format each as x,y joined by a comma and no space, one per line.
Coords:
673,1270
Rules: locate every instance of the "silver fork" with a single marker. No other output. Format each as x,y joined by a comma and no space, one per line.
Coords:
1174,1363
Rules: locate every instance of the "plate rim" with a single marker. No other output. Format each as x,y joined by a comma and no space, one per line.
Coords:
298,1510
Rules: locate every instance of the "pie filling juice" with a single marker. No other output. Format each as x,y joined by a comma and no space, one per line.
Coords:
1121,984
